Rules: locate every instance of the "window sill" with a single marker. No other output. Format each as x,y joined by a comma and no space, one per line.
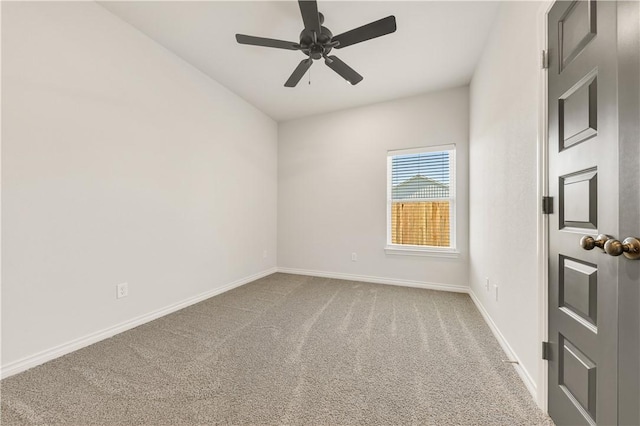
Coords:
419,251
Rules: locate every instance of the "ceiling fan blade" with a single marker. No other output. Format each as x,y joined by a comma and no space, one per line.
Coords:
300,70
375,29
266,42
343,69
310,16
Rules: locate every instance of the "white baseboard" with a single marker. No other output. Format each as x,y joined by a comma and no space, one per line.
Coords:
377,280
511,355
58,351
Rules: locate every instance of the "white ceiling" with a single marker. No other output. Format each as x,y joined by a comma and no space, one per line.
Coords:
436,46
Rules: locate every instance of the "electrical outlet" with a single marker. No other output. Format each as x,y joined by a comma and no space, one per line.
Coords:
486,283
264,254
354,257
122,290
495,288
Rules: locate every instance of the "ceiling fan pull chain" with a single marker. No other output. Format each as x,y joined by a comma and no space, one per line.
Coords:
309,76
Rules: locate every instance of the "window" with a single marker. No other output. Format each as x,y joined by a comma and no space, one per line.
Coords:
421,201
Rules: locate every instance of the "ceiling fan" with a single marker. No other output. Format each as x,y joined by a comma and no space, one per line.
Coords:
317,41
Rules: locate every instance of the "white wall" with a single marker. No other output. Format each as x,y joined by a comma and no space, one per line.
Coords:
503,178
120,163
332,187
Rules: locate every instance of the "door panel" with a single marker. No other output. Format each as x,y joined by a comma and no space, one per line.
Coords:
578,195
578,112
576,28
578,377
578,289
583,177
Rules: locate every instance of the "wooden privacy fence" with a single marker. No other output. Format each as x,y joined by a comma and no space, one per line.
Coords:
423,223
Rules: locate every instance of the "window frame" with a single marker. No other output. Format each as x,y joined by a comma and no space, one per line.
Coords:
417,250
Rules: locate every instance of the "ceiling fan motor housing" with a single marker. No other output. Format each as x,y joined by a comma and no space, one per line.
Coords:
316,47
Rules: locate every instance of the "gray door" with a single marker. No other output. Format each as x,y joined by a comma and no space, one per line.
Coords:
584,180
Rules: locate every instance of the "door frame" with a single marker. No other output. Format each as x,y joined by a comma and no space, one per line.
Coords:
542,388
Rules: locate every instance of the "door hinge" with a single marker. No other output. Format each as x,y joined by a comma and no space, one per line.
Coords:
546,350
547,205
545,59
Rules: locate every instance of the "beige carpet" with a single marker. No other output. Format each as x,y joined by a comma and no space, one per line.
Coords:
287,349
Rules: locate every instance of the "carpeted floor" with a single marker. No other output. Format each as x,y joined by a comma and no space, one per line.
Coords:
287,349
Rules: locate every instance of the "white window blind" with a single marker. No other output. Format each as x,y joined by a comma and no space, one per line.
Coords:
421,198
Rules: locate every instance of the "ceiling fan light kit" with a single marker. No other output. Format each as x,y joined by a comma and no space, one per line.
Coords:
317,41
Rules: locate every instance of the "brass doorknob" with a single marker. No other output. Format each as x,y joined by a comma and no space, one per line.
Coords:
588,243
630,247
